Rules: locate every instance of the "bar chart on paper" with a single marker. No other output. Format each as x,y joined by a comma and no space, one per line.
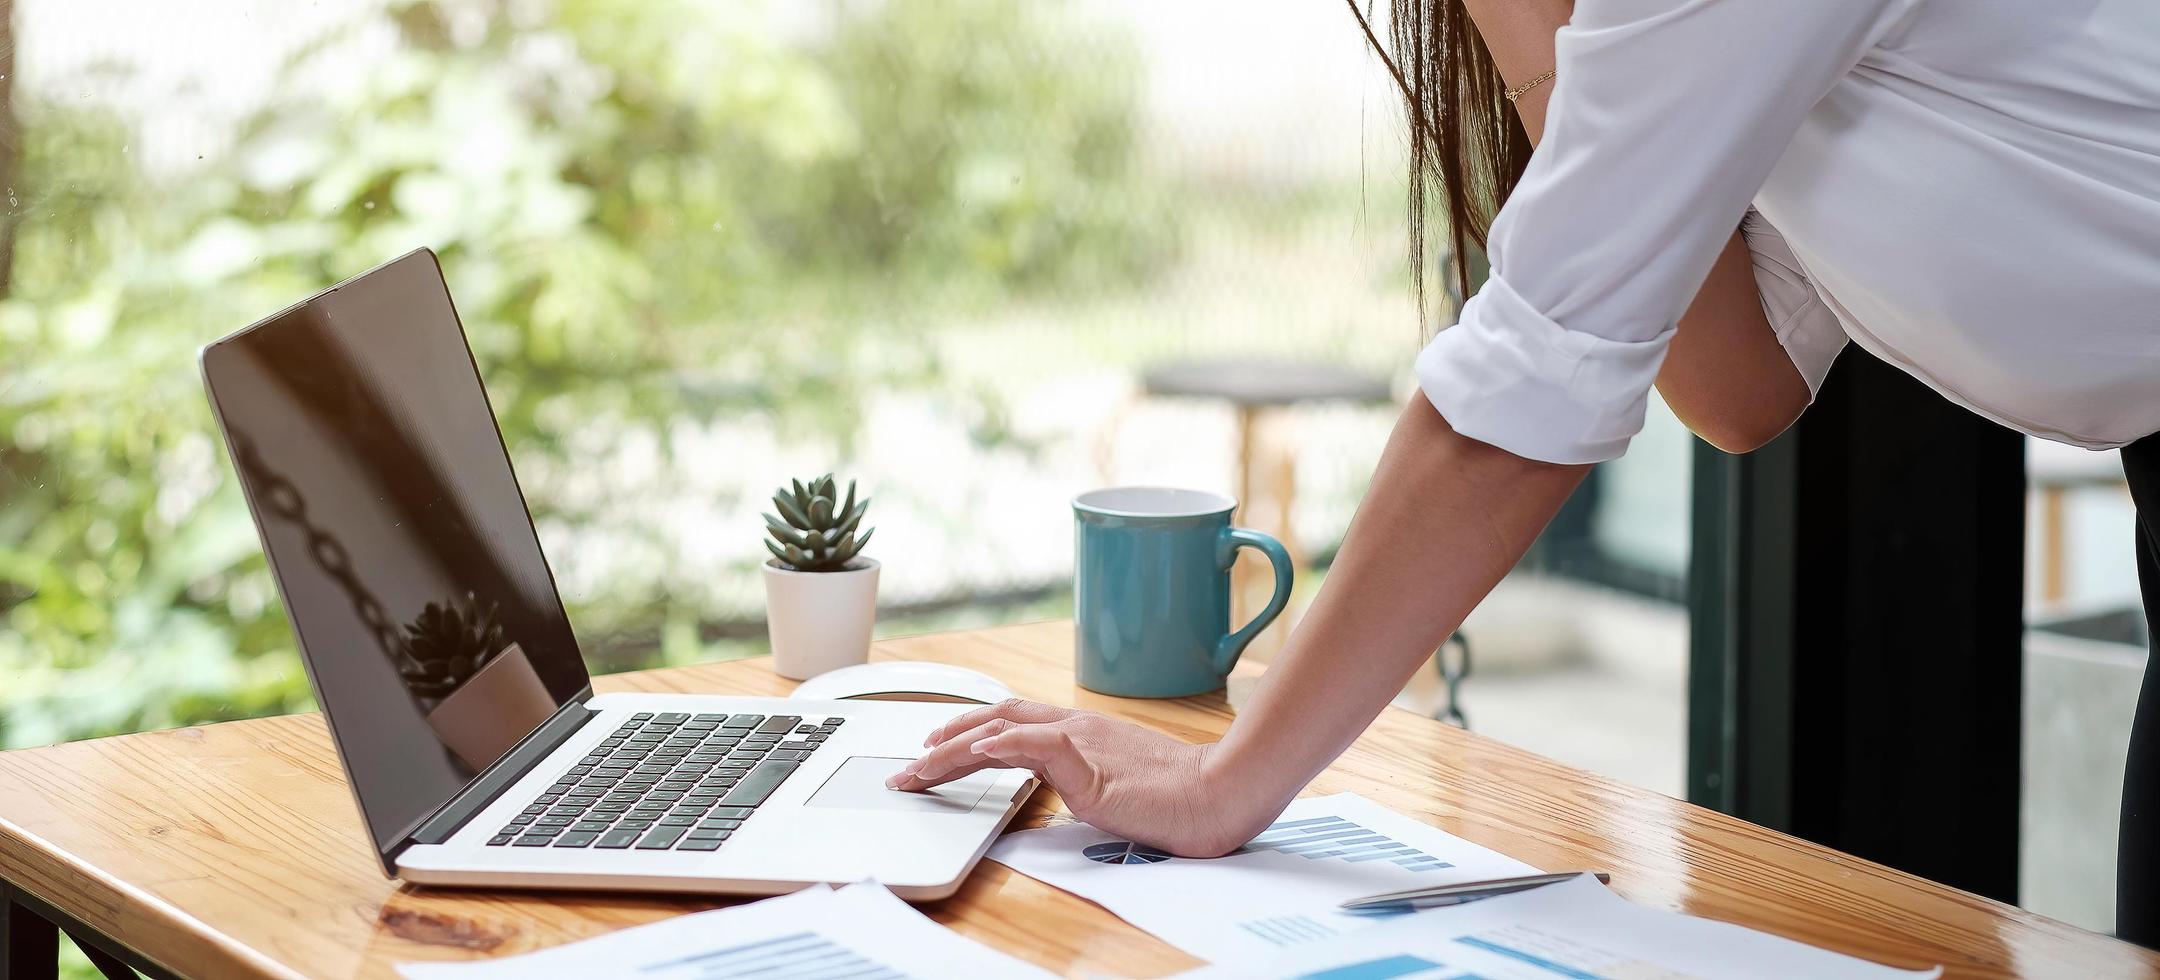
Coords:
1575,929
1384,968
801,956
1341,839
861,932
1282,891
1330,838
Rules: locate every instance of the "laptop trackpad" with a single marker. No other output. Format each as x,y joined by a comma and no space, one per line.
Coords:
859,784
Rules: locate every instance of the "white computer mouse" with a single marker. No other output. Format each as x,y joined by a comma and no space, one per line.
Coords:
906,680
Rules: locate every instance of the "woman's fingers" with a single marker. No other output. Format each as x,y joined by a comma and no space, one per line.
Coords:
1000,744
1122,778
1050,751
949,754
915,782
1010,709
1010,734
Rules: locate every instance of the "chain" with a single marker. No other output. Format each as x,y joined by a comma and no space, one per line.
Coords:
281,498
1452,675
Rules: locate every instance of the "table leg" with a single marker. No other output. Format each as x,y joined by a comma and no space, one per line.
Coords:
1248,427
1285,466
30,942
2054,575
29,945
1276,459
106,963
1243,572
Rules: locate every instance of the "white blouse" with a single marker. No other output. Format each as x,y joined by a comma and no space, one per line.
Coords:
1969,189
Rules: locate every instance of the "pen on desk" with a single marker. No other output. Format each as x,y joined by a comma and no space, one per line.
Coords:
1438,896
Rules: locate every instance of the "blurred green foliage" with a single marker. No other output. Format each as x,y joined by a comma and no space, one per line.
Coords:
648,209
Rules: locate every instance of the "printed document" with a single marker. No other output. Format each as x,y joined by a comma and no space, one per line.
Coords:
1279,891
1576,930
861,932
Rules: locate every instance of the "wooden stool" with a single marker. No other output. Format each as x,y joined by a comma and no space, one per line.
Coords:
2054,471
1256,388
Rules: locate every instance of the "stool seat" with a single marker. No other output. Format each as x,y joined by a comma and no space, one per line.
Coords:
1255,387
1263,382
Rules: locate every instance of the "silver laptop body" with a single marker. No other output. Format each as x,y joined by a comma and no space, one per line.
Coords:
438,648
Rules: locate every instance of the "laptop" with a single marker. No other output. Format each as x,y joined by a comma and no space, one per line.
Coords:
437,645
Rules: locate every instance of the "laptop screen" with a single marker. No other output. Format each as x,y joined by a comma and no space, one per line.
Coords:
423,607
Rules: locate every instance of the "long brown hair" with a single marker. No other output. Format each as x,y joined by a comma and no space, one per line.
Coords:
1465,140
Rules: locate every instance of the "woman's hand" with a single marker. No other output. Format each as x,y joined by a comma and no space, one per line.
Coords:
1445,518
1124,779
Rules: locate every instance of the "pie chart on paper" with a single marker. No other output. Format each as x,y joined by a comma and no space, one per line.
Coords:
1123,852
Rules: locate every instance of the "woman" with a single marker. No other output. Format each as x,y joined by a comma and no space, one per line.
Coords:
1724,192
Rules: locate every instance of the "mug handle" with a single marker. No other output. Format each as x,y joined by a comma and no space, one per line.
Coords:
1226,546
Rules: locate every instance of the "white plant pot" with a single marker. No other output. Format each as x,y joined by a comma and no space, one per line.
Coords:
495,707
820,621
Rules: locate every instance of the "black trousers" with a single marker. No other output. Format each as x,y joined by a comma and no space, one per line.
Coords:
2137,861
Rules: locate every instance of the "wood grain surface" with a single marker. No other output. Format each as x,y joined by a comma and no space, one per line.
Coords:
234,850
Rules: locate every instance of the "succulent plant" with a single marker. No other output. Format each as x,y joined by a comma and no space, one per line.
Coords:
446,646
815,530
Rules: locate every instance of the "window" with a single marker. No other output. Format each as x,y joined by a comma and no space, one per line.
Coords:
2085,659
935,245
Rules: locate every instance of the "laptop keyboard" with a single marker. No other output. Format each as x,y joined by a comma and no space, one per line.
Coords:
668,781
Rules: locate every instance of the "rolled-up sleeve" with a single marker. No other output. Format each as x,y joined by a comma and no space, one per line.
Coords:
1666,117
1804,325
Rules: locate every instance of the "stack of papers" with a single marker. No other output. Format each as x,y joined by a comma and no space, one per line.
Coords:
1269,910
1280,890
1575,930
861,932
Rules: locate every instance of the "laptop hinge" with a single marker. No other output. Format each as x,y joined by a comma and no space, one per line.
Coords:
495,779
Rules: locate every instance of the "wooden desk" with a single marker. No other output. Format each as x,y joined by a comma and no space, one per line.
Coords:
234,850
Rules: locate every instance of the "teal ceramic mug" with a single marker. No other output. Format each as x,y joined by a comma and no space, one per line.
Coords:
1151,590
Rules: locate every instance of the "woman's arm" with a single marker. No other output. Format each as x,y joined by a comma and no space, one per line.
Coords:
1445,518
1626,222
1725,375
1665,120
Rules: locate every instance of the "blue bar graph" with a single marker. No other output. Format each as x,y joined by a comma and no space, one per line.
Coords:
1288,930
798,956
1334,837
1533,959
1381,969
